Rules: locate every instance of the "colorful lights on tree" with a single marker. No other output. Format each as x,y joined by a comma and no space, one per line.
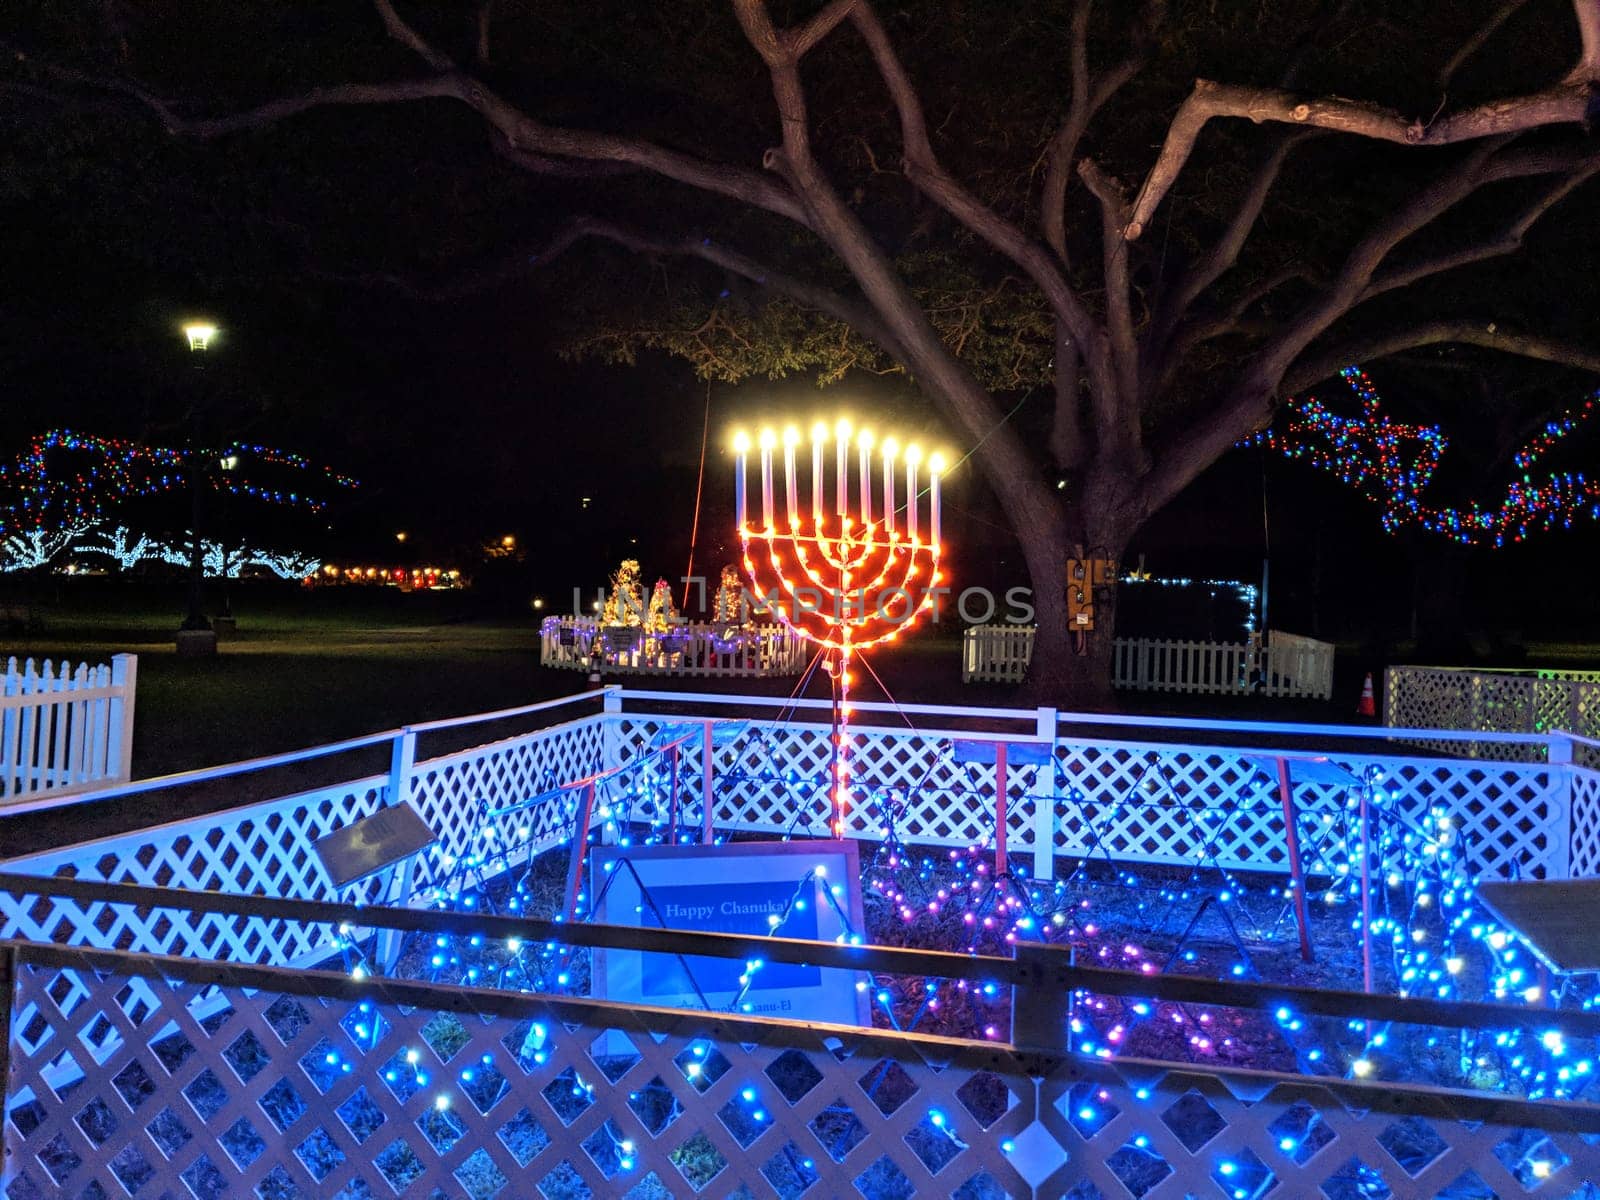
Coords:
1392,464
833,570
66,479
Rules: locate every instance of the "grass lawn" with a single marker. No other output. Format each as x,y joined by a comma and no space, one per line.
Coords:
303,670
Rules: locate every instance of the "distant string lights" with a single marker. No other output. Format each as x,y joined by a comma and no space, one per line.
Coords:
66,479
1392,464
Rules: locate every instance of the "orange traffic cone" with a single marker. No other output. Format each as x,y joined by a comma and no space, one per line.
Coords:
1368,707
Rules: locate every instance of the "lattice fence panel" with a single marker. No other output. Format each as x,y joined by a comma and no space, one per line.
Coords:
1133,802
264,849
774,778
1111,1130
222,1091
1585,861
455,792
1181,804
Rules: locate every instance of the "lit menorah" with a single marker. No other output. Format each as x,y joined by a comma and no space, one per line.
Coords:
843,572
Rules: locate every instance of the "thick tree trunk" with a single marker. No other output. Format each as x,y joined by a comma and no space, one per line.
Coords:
1070,671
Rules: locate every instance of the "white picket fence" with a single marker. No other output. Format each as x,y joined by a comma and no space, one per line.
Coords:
691,648
65,730
1288,665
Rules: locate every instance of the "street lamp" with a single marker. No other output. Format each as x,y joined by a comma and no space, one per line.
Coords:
195,635
228,463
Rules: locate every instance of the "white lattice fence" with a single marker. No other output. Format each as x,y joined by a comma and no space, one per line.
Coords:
774,778
1176,804
1585,855
230,1091
261,850
455,791
271,1084
1487,701
266,849
1135,802
1124,1128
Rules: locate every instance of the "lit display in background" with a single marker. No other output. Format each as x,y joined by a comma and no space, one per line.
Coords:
1392,464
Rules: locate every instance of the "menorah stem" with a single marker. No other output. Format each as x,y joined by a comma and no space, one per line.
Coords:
841,739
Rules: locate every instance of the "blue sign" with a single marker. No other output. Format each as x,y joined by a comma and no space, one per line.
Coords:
808,890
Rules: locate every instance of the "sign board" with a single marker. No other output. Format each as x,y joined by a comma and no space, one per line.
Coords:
1553,917
367,846
741,887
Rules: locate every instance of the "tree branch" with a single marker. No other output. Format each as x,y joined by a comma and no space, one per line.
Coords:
925,171
1088,97
1225,253
969,406
845,309
515,131
1117,409
800,40
1476,42
407,36
1565,103
485,21
1249,404
1508,242
1488,334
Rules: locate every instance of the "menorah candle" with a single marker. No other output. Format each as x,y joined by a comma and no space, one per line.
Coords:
819,435
891,450
935,469
768,441
864,442
791,484
841,433
741,447
913,457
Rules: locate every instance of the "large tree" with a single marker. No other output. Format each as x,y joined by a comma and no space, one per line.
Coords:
1168,296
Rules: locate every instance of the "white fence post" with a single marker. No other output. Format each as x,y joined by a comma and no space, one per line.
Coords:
119,753
1044,802
1559,755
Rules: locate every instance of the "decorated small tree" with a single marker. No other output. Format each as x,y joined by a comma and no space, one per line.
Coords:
662,614
625,596
727,608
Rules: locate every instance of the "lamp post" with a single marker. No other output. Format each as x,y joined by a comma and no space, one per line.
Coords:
224,622
195,637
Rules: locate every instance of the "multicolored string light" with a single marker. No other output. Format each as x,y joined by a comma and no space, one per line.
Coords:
66,479
1392,464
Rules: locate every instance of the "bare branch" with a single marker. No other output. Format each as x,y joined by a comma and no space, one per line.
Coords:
407,36
970,408
1088,97
1588,14
842,308
516,133
924,169
1113,200
1225,253
800,40
485,21
1566,103
1508,242
1488,334
1476,42
1249,404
